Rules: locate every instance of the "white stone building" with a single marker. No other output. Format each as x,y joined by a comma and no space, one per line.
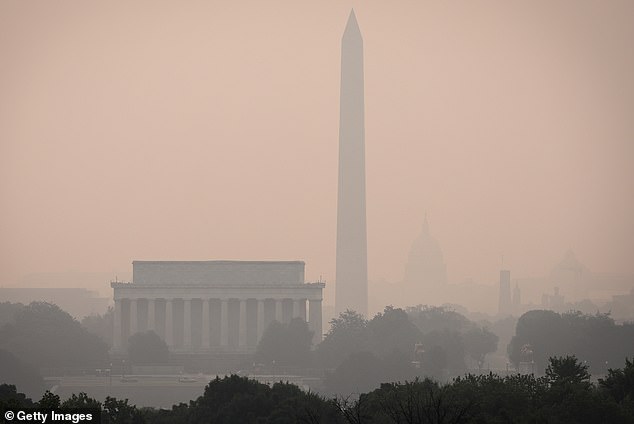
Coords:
213,306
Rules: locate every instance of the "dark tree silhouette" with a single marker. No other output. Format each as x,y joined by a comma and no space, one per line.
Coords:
595,339
567,370
359,373
348,334
24,376
80,401
8,312
49,401
147,348
11,399
479,342
45,336
286,344
392,330
101,325
121,412
619,383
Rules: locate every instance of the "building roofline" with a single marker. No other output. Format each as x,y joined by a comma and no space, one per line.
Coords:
132,285
223,262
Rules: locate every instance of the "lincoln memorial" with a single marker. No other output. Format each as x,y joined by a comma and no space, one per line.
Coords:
213,306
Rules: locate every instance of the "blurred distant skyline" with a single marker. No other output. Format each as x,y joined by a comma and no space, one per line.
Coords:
208,130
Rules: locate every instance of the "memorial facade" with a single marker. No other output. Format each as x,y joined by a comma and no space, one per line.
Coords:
213,306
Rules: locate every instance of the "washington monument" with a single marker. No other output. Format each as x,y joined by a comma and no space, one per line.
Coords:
352,262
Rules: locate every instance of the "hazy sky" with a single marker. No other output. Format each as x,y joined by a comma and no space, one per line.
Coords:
208,130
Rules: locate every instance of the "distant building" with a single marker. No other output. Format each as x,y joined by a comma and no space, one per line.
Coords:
504,304
517,299
576,284
621,307
425,264
214,306
571,276
555,302
76,301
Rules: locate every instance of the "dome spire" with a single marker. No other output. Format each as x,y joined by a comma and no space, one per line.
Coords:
425,225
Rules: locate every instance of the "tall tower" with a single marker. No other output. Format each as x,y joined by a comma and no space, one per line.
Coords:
504,301
352,263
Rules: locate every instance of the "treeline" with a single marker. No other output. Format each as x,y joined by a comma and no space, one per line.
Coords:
41,336
564,395
394,345
357,354
596,340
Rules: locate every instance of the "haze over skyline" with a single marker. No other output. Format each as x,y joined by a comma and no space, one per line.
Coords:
210,130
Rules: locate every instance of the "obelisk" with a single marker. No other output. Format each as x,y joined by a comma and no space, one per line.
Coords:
351,284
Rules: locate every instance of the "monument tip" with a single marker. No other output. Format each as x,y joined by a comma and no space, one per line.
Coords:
352,26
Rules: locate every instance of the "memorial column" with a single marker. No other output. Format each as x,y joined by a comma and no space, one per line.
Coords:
134,325
151,315
314,322
116,341
296,308
278,310
169,323
187,324
260,321
205,326
302,309
242,328
224,323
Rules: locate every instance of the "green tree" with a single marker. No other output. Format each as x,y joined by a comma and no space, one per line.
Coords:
24,376
596,339
478,342
147,348
45,336
348,334
434,362
49,401
80,401
121,412
567,370
286,344
231,399
101,325
417,402
8,311
544,331
236,399
438,318
451,343
360,372
497,399
393,331
619,383
10,398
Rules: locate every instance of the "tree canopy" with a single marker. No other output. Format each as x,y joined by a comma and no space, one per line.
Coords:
596,339
101,325
147,348
565,395
286,344
43,335
443,339
348,334
24,376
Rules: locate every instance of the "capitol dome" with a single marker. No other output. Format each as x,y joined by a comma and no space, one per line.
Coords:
425,265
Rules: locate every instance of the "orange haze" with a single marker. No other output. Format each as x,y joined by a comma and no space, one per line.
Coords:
208,130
